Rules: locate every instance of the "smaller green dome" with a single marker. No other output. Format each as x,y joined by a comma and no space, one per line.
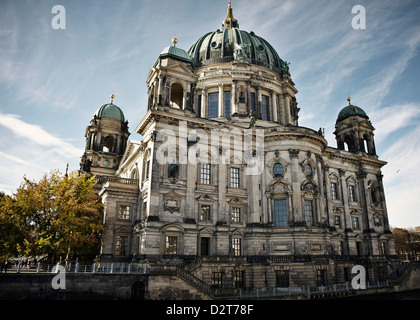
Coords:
350,111
110,110
176,53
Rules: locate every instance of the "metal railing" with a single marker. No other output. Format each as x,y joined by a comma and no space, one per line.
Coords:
77,268
306,290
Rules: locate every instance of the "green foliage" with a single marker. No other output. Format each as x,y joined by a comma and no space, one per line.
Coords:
58,216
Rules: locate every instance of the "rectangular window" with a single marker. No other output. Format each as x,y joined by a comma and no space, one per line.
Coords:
352,193
253,102
124,213
334,194
146,170
236,214
282,278
358,248
381,274
280,213
265,108
227,104
234,177
238,279
205,173
356,225
217,280
213,103
383,248
337,221
205,246
173,170
205,213
321,279
308,208
121,246
171,245
236,247
347,274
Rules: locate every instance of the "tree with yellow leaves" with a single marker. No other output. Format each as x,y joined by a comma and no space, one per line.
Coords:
58,216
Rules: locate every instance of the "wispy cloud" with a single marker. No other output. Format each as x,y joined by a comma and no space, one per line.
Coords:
401,176
392,118
38,135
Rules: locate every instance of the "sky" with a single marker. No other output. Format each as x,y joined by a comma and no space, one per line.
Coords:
53,80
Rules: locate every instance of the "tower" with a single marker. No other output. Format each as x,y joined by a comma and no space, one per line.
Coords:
106,140
354,131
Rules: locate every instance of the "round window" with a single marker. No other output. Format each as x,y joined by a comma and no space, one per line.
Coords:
308,170
278,170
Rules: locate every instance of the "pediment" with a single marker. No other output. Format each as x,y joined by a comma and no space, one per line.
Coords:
172,195
205,197
179,68
204,231
279,187
309,187
172,228
123,230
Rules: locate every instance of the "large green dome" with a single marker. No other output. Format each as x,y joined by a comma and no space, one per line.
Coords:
231,44
110,110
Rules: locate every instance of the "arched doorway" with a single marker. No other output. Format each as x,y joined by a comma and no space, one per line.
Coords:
138,291
177,96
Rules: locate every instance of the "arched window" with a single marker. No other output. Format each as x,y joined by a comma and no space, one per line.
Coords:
108,144
177,96
350,143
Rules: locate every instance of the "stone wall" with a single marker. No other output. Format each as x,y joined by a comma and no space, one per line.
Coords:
412,279
77,286
173,288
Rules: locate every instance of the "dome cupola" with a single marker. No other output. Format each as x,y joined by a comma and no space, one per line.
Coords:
350,111
354,131
231,44
110,110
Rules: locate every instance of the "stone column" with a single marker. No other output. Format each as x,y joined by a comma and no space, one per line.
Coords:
203,103
366,214
221,100
160,90
184,99
258,106
297,199
248,96
233,97
287,112
274,107
222,205
323,215
346,218
155,91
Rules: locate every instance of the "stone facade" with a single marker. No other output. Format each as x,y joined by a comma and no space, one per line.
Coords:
227,184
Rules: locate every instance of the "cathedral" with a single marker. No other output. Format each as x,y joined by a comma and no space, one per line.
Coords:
227,185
